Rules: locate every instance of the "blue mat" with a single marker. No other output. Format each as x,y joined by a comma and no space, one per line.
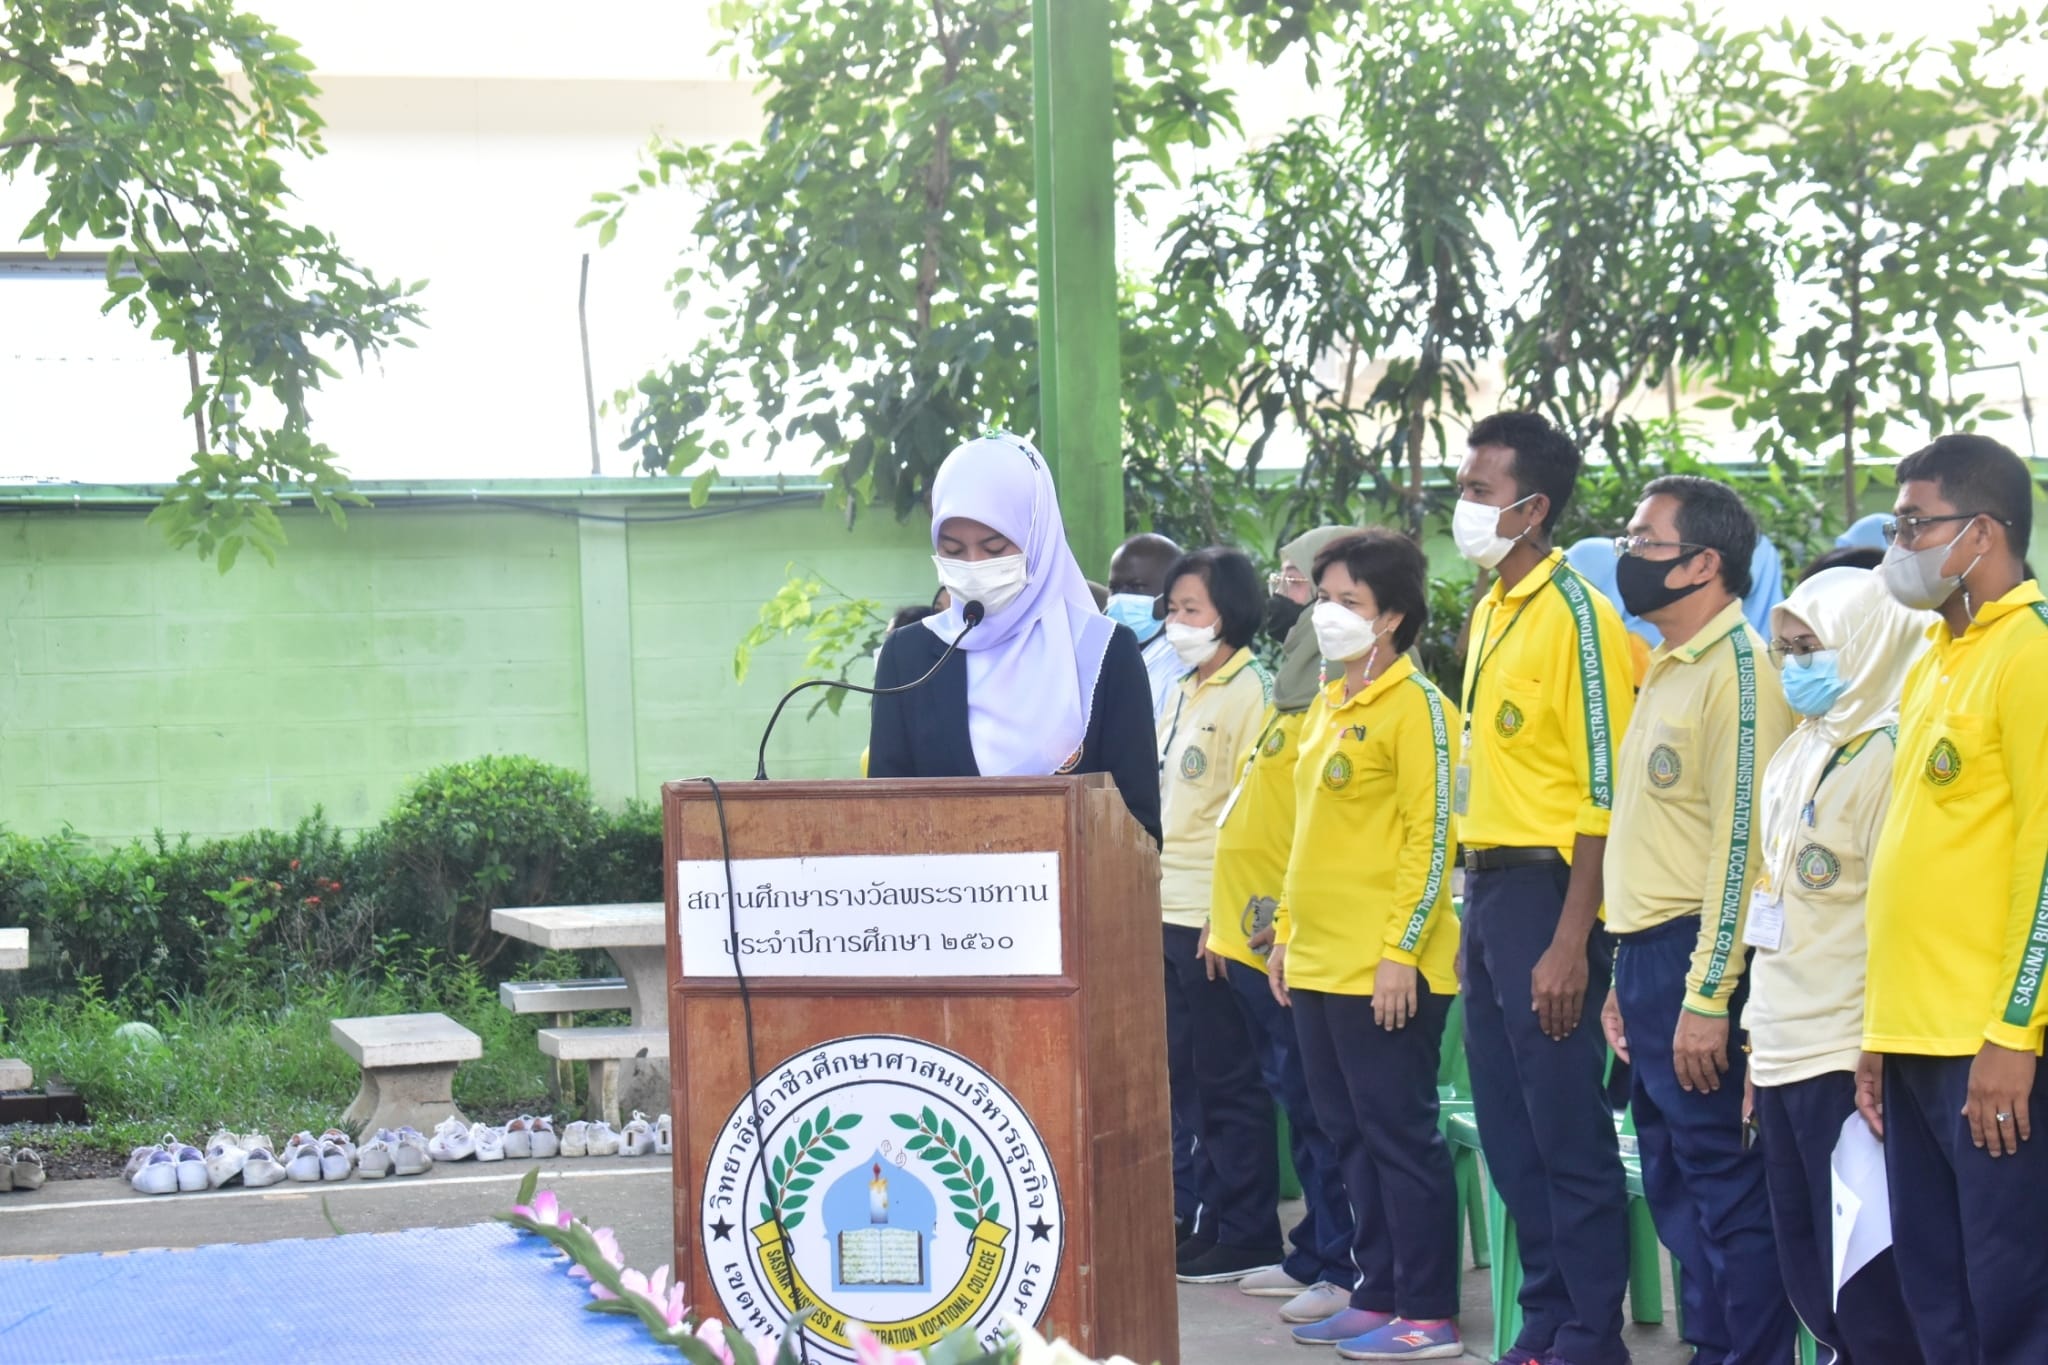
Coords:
431,1294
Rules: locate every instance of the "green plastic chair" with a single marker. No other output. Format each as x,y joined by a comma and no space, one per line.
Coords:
1454,1099
1290,1179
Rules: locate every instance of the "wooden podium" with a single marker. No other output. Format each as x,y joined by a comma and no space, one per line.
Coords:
959,1029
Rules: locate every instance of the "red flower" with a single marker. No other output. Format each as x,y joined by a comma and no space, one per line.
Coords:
295,864
311,900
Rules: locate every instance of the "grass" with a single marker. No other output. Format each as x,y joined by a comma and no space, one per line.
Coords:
259,1058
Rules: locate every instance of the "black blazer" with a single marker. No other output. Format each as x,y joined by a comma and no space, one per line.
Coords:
924,733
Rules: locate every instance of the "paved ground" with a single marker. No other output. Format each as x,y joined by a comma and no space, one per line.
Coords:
1219,1326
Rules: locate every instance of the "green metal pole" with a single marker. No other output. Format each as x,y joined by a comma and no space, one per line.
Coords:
1080,398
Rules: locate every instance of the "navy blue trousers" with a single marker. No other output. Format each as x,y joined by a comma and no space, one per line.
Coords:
1319,1246
1544,1119
1194,1180
1969,1232
1706,1193
1375,1096
1226,1102
1801,1122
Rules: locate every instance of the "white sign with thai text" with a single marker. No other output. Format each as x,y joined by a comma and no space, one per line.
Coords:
948,914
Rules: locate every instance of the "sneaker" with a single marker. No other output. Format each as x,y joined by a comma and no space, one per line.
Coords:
262,1169
341,1140
1189,1248
1273,1284
137,1158
225,1158
664,1135
249,1142
490,1142
519,1138
337,1162
575,1139
27,1169
158,1173
1221,1264
374,1158
192,1173
451,1141
542,1134
409,1154
601,1140
1315,1303
1405,1340
637,1138
7,1177
302,1159
1347,1325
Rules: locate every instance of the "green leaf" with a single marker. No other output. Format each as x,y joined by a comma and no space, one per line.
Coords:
824,1120
848,1122
835,1142
903,1121
809,1167
767,1213
958,1184
794,1201
946,1132
527,1185
994,1213
967,1220
803,1139
799,1183
918,1143
931,1121
947,1168
792,1220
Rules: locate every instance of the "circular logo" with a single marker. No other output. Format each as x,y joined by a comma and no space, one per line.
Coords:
1944,765
1507,722
1337,773
1664,766
1818,867
898,1186
1275,742
1193,763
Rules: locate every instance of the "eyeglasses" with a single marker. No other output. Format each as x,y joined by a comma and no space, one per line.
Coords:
1640,546
1799,650
1284,582
1908,529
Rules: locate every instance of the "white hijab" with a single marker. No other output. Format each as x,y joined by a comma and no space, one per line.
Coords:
1031,667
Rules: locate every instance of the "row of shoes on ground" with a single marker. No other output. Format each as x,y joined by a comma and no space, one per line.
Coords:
175,1167
21,1168
527,1137
639,1137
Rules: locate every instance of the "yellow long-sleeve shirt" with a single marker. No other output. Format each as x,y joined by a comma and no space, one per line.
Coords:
1369,874
1682,841
1205,727
1958,913
1255,834
1549,688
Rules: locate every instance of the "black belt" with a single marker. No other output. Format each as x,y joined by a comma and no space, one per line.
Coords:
1496,859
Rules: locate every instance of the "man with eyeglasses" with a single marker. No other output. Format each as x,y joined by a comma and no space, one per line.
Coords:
1958,914
1681,860
1137,577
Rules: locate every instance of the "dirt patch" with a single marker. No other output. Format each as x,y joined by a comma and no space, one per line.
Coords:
68,1152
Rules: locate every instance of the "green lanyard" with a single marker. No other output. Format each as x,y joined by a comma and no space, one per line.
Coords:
1487,652
1841,756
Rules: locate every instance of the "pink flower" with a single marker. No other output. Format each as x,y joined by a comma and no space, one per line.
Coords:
675,1311
545,1208
868,1351
649,1290
607,1247
712,1333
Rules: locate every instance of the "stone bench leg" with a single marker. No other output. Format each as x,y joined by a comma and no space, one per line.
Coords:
561,1074
397,1096
603,1102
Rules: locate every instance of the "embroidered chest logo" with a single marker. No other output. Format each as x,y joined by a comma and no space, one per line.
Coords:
1508,721
1665,767
1193,762
1275,742
1337,773
1818,867
1073,762
1944,765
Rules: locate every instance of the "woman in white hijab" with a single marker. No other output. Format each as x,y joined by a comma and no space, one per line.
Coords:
1044,683
1844,646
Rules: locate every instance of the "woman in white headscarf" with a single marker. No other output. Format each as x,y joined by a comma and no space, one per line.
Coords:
1844,646
1044,683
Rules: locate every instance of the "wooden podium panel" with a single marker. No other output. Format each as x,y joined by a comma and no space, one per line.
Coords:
1081,1051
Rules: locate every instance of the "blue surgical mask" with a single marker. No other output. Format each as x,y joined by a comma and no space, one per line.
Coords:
1814,684
1134,609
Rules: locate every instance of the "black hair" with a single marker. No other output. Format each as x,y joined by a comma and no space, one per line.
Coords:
1978,475
1546,461
1844,557
1396,570
1710,514
910,616
1234,588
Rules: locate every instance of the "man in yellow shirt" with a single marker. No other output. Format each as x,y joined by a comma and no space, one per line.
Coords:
1548,690
1958,915
1680,861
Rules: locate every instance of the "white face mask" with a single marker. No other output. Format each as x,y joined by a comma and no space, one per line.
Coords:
1341,633
995,583
1194,644
1914,577
1475,528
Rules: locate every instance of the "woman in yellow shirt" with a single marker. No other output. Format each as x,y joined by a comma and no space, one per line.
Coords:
1366,944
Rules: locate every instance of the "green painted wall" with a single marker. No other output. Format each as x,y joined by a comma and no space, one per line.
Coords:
140,689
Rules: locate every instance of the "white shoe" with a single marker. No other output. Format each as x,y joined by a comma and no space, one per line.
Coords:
518,1138
192,1173
601,1140
409,1155
664,1135
249,1142
262,1169
302,1159
158,1173
451,1141
138,1158
576,1139
28,1169
337,1163
225,1158
489,1142
637,1139
1271,1283
541,1133
341,1140
1315,1303
375,1158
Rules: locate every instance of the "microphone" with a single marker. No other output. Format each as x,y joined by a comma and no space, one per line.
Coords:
970,615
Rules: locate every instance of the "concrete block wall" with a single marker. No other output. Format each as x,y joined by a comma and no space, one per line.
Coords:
140,689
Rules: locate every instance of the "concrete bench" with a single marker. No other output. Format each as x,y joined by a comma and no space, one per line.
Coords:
14,1073
408,1063
604,1050
559,1000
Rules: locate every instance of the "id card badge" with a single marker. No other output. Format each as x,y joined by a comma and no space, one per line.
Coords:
1766,925
1461,789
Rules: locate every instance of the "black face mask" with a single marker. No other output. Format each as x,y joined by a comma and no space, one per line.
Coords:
1641,582
1281,614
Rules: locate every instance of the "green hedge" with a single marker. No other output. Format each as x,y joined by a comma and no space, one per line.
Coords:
174,916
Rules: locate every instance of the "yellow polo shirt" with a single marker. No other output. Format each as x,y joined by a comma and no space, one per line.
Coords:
1369,875
1206,726
1549,688
1683,838
1958,916
1254,834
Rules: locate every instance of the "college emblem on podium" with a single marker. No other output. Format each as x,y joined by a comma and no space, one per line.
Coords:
900,1187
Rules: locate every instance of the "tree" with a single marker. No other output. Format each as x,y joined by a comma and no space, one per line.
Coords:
157,126
1902,179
